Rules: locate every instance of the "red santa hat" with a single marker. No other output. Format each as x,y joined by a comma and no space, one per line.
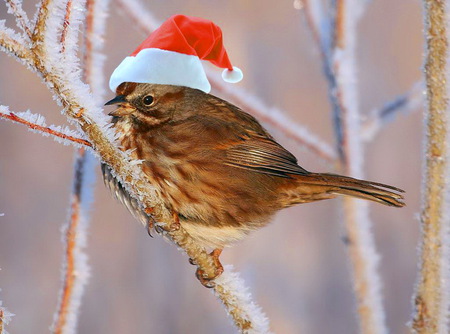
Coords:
172,55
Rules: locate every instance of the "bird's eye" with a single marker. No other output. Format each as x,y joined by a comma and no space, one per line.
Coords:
148,100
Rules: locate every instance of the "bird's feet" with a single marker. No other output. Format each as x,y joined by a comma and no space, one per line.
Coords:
173,226
206,280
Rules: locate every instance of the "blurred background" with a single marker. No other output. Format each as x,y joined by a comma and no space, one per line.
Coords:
297,268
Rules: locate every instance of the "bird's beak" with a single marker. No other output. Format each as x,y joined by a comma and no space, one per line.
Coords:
118,99
122,110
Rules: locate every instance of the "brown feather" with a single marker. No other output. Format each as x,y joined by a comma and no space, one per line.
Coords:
217,167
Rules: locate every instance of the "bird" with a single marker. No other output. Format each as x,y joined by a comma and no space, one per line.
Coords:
214,166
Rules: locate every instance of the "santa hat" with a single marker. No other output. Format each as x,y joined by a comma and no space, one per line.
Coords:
171,55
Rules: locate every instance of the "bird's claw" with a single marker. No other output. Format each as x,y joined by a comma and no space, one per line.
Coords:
205,280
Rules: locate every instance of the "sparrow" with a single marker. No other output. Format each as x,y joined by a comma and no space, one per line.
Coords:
219,172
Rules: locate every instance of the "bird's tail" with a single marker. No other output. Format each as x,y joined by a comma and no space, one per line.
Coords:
317,186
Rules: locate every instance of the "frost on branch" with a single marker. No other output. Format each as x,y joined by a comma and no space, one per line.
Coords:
231,289
36,123
75,271
5,318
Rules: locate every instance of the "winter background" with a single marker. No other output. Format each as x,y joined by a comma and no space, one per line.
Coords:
297,267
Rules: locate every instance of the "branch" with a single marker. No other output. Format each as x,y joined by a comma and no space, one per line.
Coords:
338,56
402,104
12,44
231,290
431,300
75,271
39,27
274,117
5,318
15,7
36,123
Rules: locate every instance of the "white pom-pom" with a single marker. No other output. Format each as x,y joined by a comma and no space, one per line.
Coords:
233,76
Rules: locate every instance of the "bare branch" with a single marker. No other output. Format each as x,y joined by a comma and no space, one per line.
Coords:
431,300
15,7
38,125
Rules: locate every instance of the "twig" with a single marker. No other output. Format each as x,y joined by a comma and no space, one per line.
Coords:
21,17
11,45
276,118
5,318
39,28
340,72
66,25
45,130
240,307
75,269
403,104
431,302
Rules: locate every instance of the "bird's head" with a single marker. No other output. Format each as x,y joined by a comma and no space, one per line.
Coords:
149,104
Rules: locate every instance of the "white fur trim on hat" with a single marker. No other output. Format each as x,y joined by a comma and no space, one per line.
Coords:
163,67
233,76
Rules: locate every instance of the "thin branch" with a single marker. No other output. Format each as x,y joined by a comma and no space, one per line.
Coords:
406,103
41,127
66,25
39,28
5,318
12,46
339,64
240,306
22,21
276,118
431,302
93,61
75,269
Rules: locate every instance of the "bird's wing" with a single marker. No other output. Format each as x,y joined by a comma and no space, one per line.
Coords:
262,154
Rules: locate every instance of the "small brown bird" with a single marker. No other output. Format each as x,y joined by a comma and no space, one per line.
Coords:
215,167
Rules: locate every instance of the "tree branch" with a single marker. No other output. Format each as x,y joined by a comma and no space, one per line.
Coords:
431,301
39,126
15,7
338,56
75,271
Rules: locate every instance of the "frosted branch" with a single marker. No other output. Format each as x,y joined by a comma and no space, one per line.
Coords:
41,20
276,118
13,44
338,56
402,104
36,123
15,8
75,271
231,290
431,300
5,318
94,39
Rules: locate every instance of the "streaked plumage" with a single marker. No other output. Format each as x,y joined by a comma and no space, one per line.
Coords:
215,166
